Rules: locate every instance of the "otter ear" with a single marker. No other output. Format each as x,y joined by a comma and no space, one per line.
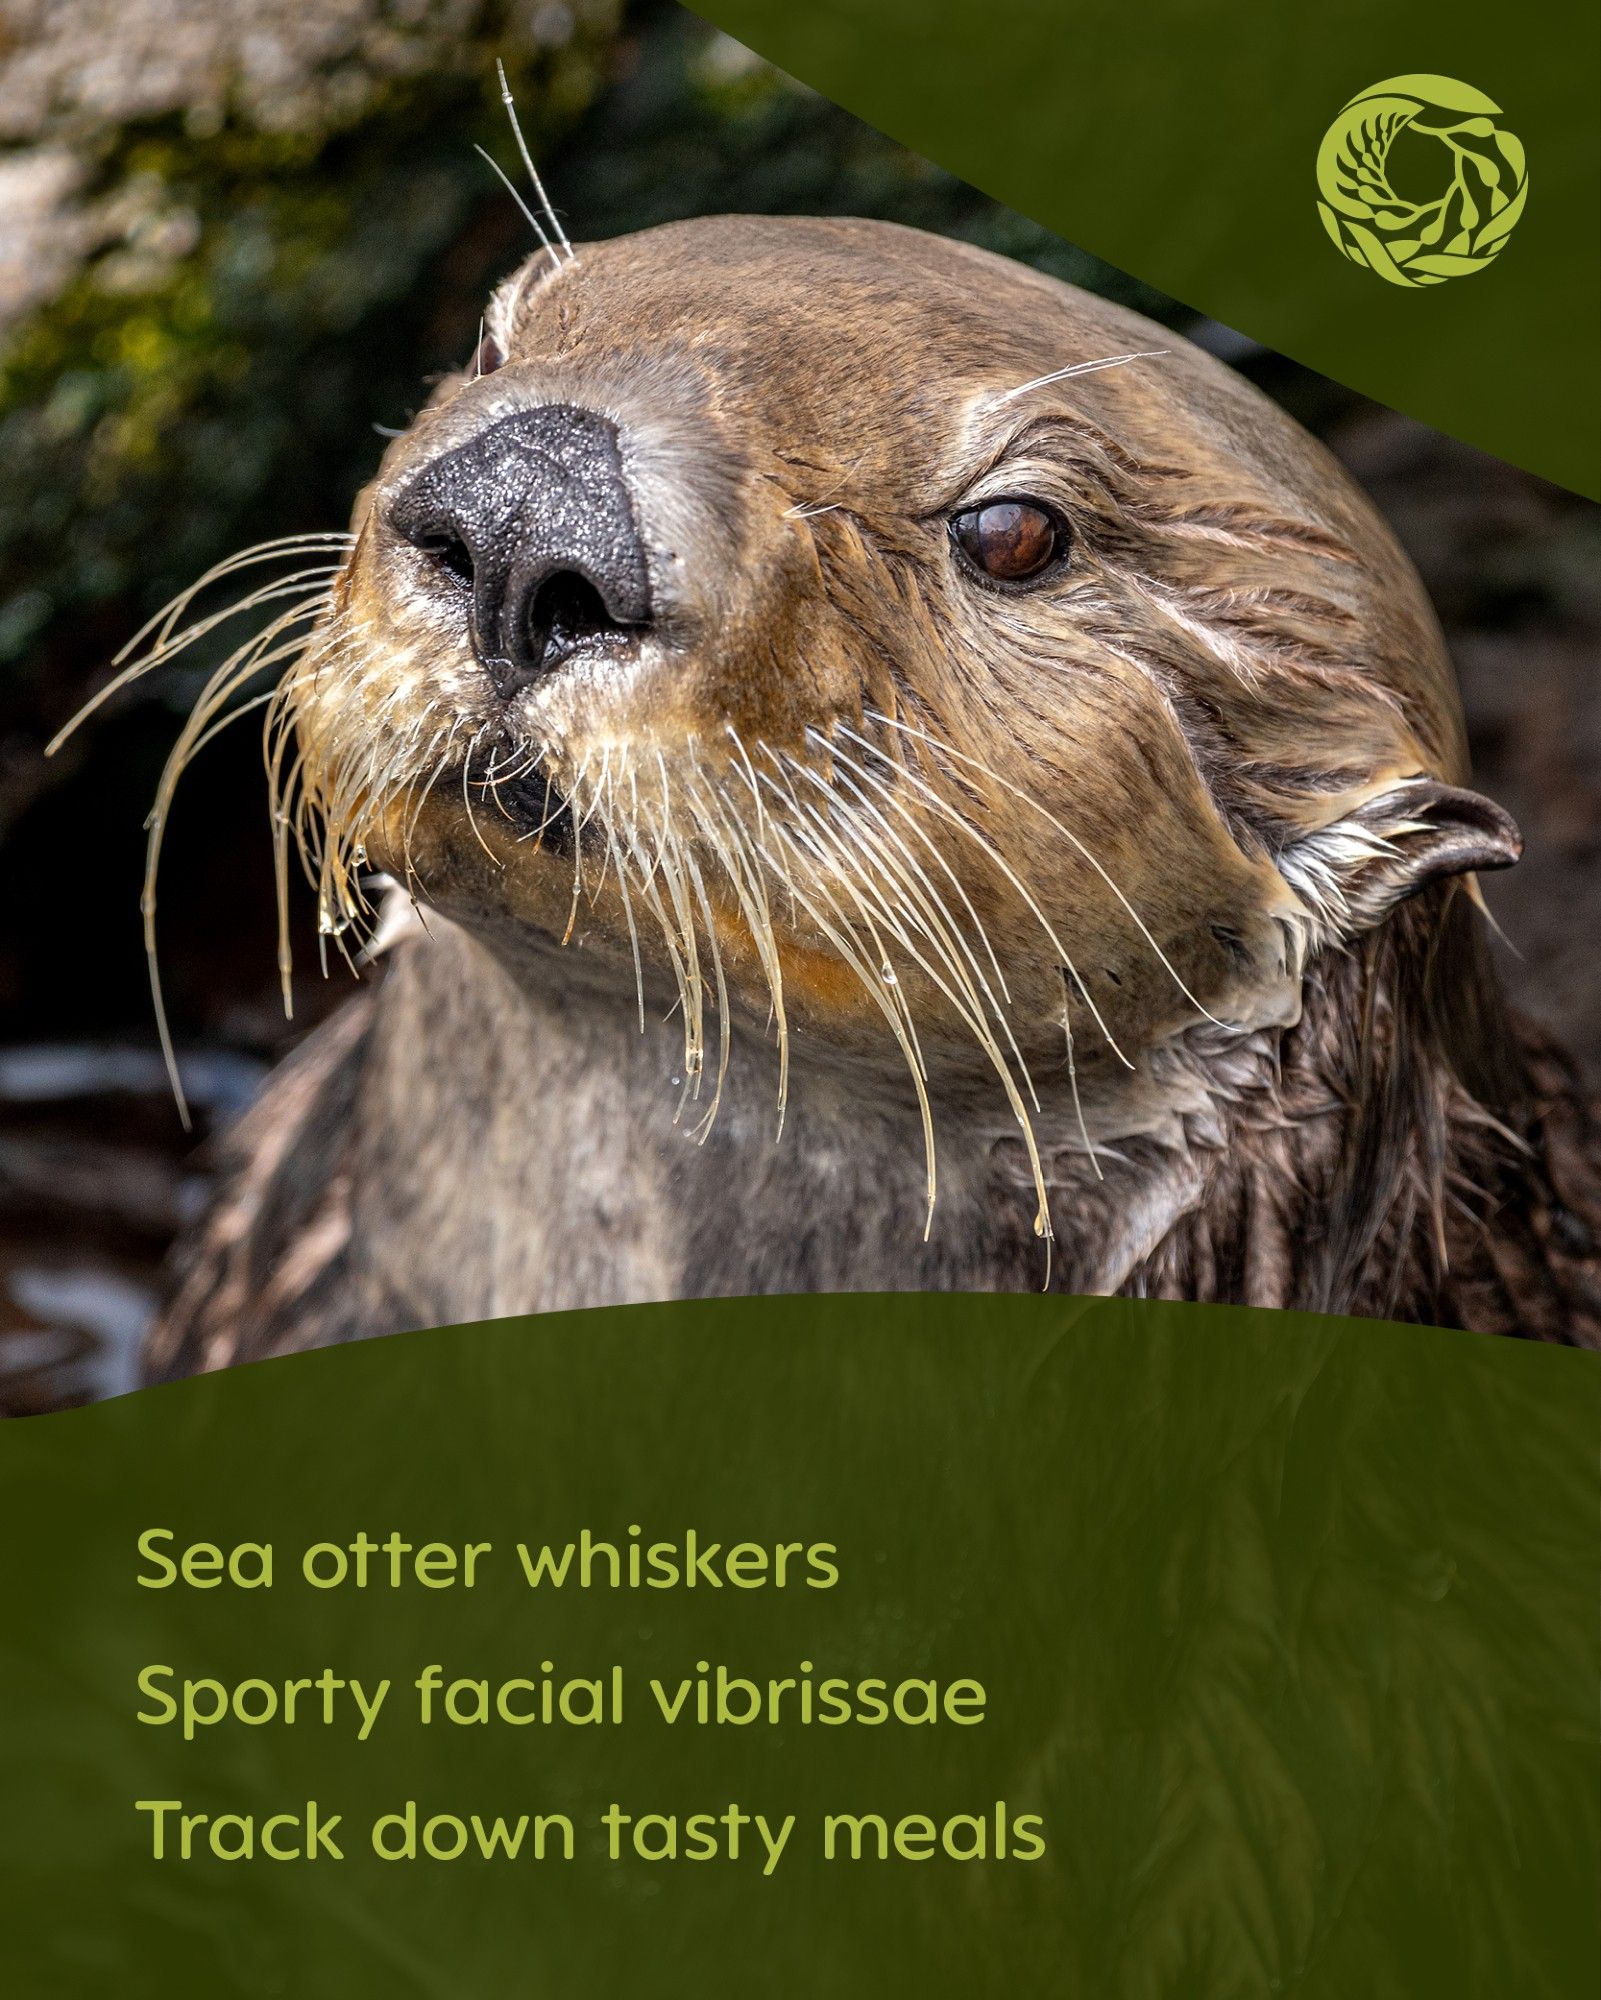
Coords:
1354,873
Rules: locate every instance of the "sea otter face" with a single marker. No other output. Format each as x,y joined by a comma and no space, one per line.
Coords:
839,627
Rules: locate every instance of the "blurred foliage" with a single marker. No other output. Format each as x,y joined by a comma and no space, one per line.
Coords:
165,407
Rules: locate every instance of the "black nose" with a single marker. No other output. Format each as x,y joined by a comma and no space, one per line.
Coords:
533,516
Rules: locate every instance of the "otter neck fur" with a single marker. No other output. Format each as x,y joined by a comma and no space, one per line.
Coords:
1404,1150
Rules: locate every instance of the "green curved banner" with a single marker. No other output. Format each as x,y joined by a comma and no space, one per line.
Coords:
1406,197
846,1646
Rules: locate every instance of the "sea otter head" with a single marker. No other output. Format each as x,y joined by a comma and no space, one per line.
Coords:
853,634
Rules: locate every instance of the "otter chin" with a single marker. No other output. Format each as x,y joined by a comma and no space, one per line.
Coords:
908,776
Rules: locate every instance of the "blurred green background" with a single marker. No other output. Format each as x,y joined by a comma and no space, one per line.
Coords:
237,237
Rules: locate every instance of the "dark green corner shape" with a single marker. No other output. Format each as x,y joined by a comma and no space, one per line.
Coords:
1179,140
1288,1627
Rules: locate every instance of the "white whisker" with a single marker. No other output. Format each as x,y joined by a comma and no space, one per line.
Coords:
557,231
1082,368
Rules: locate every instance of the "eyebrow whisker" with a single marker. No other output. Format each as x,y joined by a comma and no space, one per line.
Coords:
528,162
1083,368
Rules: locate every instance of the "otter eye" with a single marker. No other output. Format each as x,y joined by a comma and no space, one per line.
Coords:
1012,541
487,357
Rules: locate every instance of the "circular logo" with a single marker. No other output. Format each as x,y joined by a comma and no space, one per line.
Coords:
1462,180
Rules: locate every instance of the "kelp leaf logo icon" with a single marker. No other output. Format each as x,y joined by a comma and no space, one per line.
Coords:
1482,176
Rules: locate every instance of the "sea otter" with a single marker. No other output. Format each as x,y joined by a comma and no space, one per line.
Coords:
910,776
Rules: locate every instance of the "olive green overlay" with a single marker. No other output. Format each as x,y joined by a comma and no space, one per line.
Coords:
1186,145
840,1646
